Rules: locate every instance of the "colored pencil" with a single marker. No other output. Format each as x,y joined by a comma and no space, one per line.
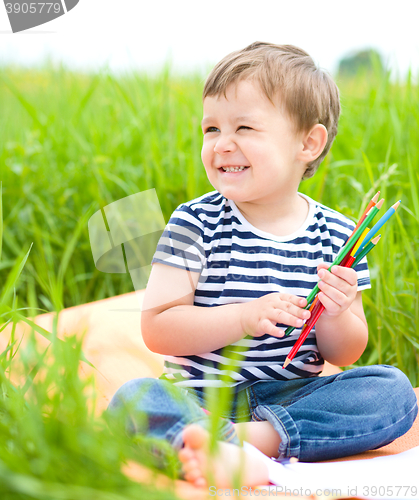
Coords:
304,333
353,239
355,248
347,262
344,251
366,250
391,211
371,204
317,311
350,243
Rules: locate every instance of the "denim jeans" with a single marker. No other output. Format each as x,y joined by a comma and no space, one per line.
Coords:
317,418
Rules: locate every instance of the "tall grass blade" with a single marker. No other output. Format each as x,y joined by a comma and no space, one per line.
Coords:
1,217
48,335
13,277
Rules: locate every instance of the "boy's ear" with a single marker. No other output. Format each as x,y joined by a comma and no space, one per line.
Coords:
313,143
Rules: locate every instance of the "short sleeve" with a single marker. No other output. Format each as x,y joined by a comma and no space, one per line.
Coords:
340,230
181,244
364,281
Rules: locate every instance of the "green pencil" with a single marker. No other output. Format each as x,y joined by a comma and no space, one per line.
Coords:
343,252
366,250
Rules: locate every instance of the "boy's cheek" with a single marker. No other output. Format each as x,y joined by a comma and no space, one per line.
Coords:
204,156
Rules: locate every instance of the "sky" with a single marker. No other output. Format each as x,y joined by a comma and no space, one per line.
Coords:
195,34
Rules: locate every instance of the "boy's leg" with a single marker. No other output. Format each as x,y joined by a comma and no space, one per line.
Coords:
161,410
262,435
340,415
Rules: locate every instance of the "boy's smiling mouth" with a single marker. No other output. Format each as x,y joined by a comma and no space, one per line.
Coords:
233,168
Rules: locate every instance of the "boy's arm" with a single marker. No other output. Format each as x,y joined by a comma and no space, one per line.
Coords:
172,325
342,330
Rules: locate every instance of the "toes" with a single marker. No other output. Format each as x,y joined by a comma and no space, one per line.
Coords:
193,475
190,466
200,483
195,436
192,455
186,454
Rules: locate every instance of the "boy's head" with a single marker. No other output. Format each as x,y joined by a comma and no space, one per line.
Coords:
286,75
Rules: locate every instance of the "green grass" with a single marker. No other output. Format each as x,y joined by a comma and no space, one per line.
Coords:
52,445
72,143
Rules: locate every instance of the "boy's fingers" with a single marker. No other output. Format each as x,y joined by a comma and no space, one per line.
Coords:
339,279
286,318
270,328
332,292
328,303
293,299
346,273
323,265
285,312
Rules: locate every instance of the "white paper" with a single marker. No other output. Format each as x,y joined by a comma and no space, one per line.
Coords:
389,477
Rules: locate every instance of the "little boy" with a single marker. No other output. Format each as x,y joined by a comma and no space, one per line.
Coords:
230,273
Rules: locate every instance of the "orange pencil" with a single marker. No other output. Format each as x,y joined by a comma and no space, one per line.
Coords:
371,204
318,308
369,216
349,259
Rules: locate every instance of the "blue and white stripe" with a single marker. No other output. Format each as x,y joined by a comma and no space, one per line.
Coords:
237,263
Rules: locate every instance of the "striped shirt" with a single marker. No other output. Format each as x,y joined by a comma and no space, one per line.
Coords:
237,263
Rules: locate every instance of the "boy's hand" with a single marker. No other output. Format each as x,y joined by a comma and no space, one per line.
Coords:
260,316
338,288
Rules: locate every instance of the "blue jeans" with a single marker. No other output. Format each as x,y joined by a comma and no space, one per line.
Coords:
318,418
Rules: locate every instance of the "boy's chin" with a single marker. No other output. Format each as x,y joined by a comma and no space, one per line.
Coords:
230,195
236,195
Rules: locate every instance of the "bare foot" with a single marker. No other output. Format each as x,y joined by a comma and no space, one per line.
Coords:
230,462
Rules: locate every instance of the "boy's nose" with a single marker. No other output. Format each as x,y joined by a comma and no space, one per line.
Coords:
225,145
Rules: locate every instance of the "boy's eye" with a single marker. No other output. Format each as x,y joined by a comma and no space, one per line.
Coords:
215,129
210,129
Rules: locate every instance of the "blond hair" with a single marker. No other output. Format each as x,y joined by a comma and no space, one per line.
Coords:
309,94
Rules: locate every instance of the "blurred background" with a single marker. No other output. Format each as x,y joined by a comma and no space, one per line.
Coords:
193,35
105,102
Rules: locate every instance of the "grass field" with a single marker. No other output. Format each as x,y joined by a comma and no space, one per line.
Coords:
73,143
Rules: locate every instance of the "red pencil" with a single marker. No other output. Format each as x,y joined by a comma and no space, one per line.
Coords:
371,204
316,310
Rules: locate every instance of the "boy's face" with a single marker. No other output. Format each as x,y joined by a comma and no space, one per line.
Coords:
247,130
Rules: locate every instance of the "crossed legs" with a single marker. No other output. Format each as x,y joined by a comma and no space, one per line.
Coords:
351,412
